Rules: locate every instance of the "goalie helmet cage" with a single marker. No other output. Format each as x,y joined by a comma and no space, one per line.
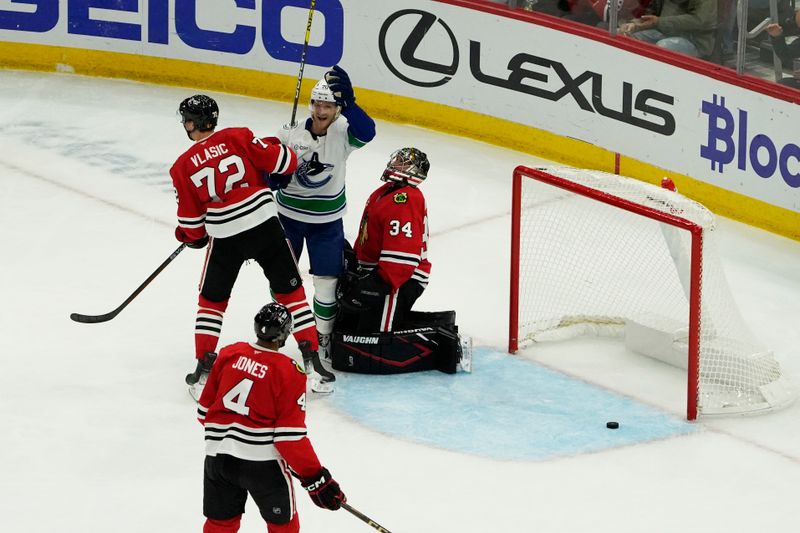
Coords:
593,252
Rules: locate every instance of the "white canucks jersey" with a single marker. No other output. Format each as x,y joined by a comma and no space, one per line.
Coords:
316,192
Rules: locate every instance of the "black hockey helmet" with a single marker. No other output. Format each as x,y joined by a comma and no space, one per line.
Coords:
273,323
407,165
200,109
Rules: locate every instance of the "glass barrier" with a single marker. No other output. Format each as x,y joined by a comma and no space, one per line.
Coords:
753,37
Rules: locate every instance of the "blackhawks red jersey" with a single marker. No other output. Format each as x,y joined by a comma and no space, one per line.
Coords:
253,408
393,234
220,186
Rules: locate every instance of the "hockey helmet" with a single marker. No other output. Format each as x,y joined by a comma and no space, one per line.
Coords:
322,93
407,165
200,109
273,323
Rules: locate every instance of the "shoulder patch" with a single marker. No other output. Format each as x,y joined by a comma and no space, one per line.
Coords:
401,198
299,367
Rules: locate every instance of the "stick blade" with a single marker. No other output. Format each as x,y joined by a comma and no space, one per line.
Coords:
92,319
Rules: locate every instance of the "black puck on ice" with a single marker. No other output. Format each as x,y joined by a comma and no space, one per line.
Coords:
612,425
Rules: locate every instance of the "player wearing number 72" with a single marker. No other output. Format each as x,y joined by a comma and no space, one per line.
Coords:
253,410
223,201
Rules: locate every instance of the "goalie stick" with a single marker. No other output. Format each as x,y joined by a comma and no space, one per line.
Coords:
302,63
361,516
94,319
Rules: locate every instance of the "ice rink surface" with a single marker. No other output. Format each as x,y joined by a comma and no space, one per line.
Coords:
100,434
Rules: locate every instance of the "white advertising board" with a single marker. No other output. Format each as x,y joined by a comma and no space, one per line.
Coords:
489,61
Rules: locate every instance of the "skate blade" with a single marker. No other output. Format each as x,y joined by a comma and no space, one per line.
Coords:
196,390
465,364
317,386
194,393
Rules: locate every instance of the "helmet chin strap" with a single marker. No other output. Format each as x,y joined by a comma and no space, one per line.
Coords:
194,129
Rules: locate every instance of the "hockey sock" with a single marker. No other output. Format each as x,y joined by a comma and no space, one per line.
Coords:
292,526
303,318
325,305
230,525
208,325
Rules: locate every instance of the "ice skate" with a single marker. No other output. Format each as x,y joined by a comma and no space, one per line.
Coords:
320,379
197,380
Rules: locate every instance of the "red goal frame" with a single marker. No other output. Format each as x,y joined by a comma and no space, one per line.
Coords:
521,173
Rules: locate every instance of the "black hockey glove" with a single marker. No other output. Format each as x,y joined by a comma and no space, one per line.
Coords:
199,243
277,181
366,293
324,490
339,83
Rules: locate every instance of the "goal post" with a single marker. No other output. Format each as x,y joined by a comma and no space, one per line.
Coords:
599,253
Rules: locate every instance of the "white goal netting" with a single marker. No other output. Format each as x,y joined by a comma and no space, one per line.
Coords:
586,266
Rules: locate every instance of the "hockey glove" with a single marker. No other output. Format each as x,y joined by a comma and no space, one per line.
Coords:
366,293
324,490
277,181
197,243
339,83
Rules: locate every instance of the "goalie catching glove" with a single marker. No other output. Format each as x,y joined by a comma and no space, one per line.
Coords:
339,83
324,490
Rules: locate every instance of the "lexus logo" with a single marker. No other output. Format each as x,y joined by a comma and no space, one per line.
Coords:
412,64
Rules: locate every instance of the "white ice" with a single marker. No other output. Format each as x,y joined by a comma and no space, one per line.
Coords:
99,433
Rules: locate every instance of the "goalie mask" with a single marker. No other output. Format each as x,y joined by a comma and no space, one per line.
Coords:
322,93
202,110
407,165
273,323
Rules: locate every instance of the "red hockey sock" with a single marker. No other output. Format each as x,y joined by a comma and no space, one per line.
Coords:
222,526
208,325
293,526
305,328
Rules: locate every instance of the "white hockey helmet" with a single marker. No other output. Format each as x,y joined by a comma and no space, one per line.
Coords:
322,93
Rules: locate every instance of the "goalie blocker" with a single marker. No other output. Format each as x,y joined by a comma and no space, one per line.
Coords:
430,342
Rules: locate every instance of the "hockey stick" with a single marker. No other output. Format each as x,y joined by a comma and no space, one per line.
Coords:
365,518
94,319
302,63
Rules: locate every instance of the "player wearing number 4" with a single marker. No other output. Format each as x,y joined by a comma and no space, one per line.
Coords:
253,410
224,202
312,204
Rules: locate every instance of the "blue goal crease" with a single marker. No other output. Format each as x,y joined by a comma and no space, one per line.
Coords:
508,409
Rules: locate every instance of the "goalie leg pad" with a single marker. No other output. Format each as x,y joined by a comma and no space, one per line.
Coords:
431,318
414,350
449,352
384,353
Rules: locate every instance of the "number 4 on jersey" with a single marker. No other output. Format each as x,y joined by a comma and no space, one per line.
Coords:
236,398
395,228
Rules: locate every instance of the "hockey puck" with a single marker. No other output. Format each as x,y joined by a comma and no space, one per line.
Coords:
612,425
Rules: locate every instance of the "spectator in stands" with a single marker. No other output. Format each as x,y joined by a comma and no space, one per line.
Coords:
596,12
787,53
685,26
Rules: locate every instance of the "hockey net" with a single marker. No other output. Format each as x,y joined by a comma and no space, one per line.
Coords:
598,253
